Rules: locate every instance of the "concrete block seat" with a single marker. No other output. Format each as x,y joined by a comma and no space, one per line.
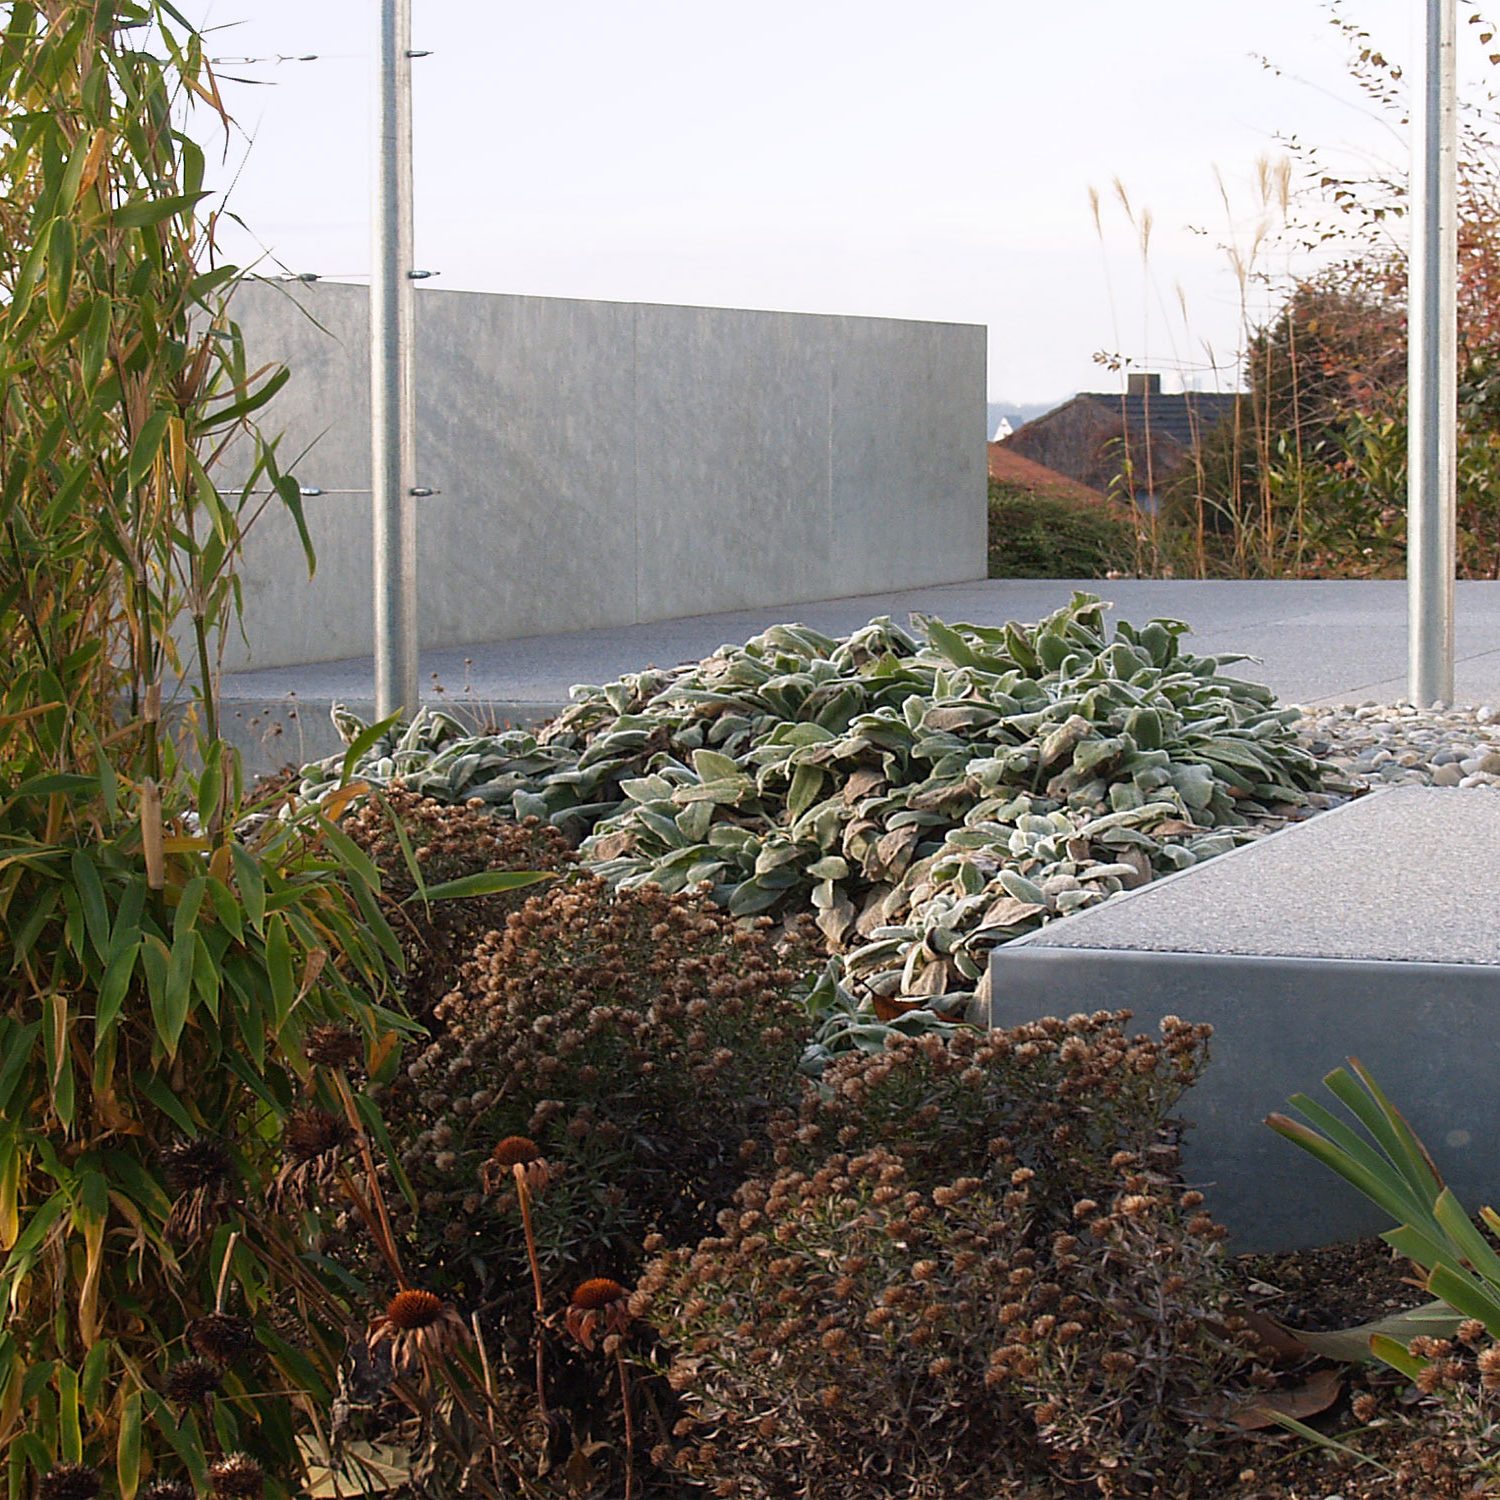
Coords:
1370,931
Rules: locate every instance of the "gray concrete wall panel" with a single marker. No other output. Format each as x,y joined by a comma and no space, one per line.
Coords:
603,464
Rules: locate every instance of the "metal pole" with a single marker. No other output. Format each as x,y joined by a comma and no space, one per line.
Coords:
392,450
1432,354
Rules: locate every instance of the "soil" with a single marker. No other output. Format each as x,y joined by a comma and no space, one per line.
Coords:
1335,1286
1406,1454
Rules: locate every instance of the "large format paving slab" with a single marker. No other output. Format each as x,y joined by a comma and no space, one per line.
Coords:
1370,931
1314,642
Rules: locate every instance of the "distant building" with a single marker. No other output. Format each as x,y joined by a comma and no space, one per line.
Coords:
1089,437
1009,468
1002,430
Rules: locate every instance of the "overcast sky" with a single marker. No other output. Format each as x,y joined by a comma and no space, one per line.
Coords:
927,160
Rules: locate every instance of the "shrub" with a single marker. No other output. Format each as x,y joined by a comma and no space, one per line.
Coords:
1065,1098
854,1333
446,842
1047,536
996,1248
640,1039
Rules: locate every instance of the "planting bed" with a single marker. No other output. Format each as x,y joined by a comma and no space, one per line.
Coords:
953,1265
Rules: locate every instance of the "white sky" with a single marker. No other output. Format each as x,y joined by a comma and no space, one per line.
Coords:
924,160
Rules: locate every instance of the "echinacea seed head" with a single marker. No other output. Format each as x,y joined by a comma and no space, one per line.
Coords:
312,1133
411,1310
192,1381
597,1292
197,1162
515,1151
167,1489
69,1482
237,1476
220,1337
330,1045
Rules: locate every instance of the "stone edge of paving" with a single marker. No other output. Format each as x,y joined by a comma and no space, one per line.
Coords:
1154,888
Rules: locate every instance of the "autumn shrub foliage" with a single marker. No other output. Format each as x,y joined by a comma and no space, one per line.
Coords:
972,1266
417,843
641,1041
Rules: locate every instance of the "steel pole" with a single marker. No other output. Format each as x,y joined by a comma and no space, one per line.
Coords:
392,448
1432,355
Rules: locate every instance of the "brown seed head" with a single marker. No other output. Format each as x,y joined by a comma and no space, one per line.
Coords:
221,1337
410,1310
69,1482
332,1046
515,1151
237,1476
198,1162
192,1381
168,1489
598,1292
312,1133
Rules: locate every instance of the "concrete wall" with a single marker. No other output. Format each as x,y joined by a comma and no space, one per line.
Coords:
607,464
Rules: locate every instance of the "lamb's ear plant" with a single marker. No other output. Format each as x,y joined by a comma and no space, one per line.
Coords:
1381,1156
159,969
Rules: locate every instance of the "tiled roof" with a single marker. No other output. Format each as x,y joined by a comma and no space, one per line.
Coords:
1186,418
1009,467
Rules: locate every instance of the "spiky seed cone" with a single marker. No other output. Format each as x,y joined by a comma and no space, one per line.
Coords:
311,1133
333,1046
220,1337
237,1476
410,1310
201,1162
167,1489
191,1381
69,1482
597,1292
515,1150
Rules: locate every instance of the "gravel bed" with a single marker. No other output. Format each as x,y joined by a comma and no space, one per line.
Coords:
1370,745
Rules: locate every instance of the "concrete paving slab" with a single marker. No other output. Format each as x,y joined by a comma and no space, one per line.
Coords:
1369,931
1316,642
1406,875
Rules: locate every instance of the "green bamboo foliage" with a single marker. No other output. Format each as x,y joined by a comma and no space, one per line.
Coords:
159,970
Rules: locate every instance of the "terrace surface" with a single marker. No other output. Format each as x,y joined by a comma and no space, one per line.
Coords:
1313,642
